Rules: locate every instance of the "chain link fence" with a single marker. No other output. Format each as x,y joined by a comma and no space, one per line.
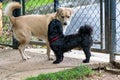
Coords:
6,37
86,12
89,12
118,26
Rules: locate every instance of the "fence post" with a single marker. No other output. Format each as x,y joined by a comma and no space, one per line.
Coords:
23,7
1,17
107,24
112,30
101,22
16,13
56,5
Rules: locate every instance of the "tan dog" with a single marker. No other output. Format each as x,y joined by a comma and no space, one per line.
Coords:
37,25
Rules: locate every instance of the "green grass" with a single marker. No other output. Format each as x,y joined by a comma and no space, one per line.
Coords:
69,74
30,4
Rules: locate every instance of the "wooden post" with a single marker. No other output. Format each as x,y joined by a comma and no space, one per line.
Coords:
0,18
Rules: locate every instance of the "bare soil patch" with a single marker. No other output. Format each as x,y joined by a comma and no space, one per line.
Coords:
13,68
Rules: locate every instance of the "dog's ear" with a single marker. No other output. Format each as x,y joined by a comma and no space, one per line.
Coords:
59,11
71,10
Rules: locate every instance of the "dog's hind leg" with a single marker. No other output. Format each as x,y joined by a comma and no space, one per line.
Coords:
87,54
21,50
28,57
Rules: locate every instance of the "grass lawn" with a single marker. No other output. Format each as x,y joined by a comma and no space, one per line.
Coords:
33,3
69,74
37,3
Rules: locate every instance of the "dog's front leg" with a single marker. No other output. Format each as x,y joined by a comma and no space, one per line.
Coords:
87,54
59,57
48,51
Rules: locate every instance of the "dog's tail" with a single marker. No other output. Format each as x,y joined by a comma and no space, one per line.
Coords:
86,30
9,9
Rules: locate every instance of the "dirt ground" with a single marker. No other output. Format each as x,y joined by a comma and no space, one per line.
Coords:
102,76
13,68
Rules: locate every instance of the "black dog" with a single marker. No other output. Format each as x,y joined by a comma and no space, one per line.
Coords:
60,43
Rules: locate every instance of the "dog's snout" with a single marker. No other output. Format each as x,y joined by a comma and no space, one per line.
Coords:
65,23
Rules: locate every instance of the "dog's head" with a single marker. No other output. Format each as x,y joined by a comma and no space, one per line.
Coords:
64,15
55,28
85,30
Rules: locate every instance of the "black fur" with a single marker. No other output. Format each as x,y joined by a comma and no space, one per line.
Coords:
60,43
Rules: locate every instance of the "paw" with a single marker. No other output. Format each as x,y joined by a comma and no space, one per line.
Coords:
56,62
50,59
85,61
28,57
24,58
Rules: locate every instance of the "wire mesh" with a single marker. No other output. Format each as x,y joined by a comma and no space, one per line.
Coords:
118,26
6,37
88,12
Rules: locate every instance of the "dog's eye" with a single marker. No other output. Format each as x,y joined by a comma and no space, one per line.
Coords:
62,16
68,16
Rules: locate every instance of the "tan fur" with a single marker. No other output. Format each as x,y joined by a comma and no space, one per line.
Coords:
37,25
